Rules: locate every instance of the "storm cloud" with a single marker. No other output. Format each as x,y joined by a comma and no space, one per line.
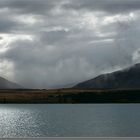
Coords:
55,43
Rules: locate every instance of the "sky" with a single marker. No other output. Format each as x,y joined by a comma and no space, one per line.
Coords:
56,43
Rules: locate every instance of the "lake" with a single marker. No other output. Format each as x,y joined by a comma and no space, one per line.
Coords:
91,120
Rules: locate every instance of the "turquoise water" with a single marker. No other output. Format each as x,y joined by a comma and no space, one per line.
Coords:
98,120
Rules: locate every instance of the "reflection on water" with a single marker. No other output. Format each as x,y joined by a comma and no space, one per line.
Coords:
17,122
70,120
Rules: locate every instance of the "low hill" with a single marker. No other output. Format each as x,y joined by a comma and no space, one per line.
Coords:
5,84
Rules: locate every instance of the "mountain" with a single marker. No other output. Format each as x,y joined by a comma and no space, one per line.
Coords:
127,78
5,84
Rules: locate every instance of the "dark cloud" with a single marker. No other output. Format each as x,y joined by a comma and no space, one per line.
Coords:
111,6
8,25
45,6
29,6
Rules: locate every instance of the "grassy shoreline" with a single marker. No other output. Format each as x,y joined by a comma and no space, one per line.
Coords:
70,96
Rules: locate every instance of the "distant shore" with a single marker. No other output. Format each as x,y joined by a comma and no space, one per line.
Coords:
69,96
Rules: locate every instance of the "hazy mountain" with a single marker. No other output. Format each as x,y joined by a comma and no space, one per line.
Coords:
61,86
5,84
127,78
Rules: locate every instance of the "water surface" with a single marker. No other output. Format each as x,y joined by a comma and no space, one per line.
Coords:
97,120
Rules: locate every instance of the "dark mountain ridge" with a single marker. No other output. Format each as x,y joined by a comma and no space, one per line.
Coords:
122,79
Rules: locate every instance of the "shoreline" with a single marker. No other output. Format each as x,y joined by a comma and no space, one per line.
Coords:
69,96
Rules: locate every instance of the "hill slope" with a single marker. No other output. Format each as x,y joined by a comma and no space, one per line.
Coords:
5,84
127,78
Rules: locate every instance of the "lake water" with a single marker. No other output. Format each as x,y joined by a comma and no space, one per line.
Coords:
98,120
